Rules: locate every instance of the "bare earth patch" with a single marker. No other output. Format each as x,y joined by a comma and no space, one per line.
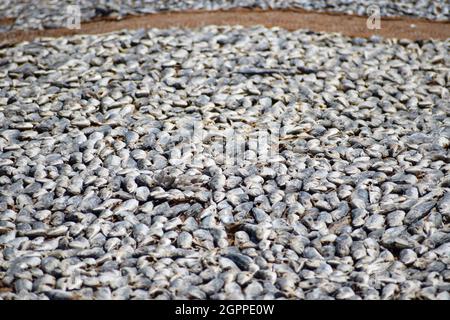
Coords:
350,25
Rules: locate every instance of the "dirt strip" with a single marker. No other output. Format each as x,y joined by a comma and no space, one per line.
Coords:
350,25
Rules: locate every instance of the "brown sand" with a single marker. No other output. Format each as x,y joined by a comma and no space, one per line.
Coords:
350,25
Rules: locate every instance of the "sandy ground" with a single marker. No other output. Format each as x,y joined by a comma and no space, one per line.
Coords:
350,25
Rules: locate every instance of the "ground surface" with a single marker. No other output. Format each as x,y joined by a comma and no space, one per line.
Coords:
38,14
101,199
355,26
